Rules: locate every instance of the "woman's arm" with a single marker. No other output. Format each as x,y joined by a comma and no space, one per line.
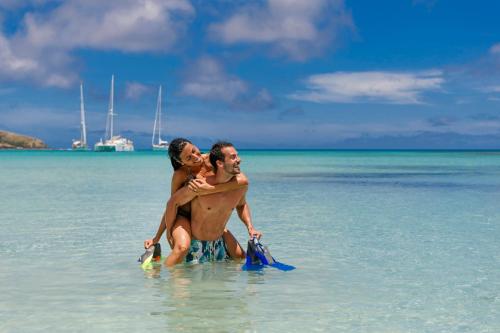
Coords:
178,179
201,187
161,229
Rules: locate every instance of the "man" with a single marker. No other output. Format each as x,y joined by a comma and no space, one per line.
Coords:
210,213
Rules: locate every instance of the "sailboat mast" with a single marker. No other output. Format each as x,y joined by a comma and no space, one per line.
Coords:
111,106
154,126
82,118
159,116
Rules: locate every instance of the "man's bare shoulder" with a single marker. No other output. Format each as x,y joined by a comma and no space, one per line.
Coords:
241,178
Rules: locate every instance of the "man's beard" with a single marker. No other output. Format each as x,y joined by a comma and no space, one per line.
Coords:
232,169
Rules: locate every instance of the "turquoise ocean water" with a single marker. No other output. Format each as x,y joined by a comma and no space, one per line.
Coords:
382,242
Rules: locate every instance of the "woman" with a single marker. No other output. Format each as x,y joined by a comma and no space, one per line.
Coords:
190,169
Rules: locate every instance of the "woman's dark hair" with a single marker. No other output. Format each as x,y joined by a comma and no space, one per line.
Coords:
174,151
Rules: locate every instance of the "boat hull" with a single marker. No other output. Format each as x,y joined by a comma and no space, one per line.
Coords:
116,144
79,146
104,148
160,147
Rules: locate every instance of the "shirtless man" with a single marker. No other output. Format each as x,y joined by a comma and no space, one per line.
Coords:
210,213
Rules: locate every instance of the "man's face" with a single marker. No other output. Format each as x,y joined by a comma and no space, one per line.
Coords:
231,161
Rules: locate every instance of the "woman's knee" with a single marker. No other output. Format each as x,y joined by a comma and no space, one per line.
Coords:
182,247
182,242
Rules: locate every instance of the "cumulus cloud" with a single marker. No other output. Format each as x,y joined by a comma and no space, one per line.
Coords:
480,74
207,79
11,63
254,101
493,89
135,90
378,87
42,48
495,49
125,25
296,28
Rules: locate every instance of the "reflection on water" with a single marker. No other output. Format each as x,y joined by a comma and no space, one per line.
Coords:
204,297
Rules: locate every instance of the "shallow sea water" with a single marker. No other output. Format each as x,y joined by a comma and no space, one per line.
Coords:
383,242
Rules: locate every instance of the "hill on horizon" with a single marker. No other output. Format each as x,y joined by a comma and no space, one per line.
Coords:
10,140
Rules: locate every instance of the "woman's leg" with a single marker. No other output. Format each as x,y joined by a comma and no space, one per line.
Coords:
233,247
181,234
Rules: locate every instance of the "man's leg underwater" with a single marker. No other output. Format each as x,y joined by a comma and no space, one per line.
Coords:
233,247
181,234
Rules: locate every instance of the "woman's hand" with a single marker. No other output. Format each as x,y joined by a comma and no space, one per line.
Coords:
148,243
254,233
200,186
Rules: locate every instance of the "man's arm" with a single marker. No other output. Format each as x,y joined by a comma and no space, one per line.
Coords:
243,210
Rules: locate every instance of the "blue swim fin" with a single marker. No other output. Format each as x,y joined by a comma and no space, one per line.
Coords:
259,256
282,267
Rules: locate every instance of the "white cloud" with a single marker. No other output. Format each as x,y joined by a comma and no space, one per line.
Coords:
124,25
12,64
41,50
207,79
493,89
297,28
495,49
134,90
380,87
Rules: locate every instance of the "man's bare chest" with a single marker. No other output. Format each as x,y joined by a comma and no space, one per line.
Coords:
225,201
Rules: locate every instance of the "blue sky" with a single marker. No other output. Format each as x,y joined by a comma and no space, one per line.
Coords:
263,74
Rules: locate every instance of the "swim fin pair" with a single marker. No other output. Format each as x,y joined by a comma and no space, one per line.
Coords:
153,253
259,256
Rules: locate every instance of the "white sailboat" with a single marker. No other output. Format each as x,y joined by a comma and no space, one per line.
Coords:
160,144
112,142
82,143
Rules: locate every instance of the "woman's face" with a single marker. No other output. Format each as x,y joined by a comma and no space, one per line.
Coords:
191,156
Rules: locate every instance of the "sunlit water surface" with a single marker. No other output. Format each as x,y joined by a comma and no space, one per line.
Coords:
382,242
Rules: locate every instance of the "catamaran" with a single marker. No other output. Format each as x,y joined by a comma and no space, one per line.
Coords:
161,144
113,142
82,143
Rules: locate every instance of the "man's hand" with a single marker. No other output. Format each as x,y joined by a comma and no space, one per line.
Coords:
148,243
200,186
254,233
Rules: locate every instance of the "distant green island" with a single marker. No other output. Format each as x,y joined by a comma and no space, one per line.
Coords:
9,140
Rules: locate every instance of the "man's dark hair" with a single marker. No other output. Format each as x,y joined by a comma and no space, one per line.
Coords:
174,151
216,152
